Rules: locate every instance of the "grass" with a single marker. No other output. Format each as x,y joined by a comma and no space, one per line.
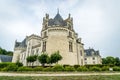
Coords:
100,77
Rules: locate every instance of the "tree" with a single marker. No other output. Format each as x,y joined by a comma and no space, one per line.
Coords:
4,52
111,61
32,59
43,59
55,57
117,61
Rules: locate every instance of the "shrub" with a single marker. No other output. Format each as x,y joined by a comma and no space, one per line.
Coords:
94,68
65,65
58,68
116,68
24,69
69,68
105,68
19,64
11,67
76,66
82,68
38,69
5,64
47,69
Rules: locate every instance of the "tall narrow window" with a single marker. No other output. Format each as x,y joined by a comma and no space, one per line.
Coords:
81,53
70,47
45,34
44,46
70,34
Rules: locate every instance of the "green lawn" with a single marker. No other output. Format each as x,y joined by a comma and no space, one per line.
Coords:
113,77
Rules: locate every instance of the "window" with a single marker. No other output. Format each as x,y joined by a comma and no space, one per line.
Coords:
70,47
69,26
81,53
44,46
45,34
85,58
93,58
70,34
37,50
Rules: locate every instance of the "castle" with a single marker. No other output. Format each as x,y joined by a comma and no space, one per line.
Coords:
57,34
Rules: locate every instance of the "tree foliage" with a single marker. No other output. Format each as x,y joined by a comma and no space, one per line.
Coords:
4,52
55,57
43,58
111,61
31,59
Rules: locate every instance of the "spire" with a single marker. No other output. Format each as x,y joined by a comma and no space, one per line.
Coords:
57,10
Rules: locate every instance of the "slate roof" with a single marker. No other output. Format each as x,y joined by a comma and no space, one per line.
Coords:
91,52
21,44
5,58
58,20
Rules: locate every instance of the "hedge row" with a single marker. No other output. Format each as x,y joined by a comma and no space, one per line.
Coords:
18,67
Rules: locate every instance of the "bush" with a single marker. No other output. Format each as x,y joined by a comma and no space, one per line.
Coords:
24,69
5,64
105,68
38,69
58,68
116,68
19,64
47,69
76,66
94,68
69,68
11,67
82,68
65,65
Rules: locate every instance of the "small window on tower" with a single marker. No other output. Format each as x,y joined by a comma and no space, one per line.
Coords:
70,34
45,34
44,46
70,47
81,53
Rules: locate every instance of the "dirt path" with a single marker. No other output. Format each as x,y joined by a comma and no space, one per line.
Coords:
55,74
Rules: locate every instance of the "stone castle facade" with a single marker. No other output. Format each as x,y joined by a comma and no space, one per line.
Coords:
57,34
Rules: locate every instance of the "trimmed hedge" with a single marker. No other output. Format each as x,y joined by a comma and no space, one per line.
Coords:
105,68
116,68
5,64
82,68
24,69
38,69
10,67
47,69
94,68
69,68
58,68
76,66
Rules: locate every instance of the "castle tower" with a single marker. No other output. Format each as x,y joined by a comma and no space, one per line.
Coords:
58,35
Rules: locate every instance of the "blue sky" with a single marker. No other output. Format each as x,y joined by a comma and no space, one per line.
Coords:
96,21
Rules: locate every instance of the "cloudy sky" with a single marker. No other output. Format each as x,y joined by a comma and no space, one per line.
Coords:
96,21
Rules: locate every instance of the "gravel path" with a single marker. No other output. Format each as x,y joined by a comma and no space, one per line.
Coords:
55,74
